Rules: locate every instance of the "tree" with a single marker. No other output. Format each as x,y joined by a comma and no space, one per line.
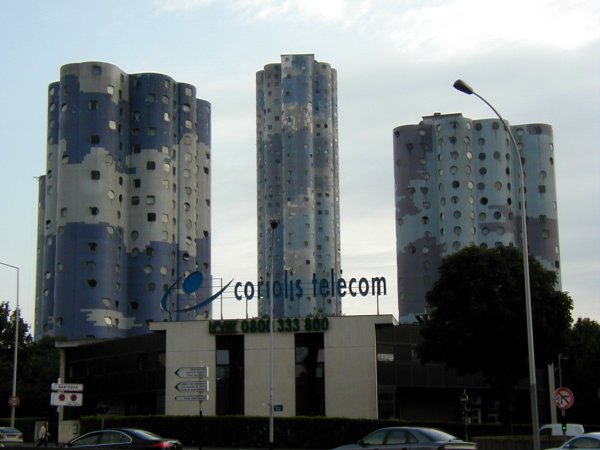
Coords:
477,320
7,349
581,371
37,367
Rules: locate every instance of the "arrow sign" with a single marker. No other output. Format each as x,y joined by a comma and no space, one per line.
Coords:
192,386
192,398
192,372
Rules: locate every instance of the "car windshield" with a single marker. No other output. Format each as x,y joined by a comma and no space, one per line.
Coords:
434,435
9,430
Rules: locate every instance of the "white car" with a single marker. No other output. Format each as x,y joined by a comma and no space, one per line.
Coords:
586,440
555,429
10,436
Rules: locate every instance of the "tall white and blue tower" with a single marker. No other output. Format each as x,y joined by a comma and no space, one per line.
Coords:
456,185
124,204
297,186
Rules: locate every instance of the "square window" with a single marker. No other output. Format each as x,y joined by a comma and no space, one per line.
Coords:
137,182
110,89
93,105
96,70
94,139
95,174
135,200
150,165
152,131
112,125
151,217
150,200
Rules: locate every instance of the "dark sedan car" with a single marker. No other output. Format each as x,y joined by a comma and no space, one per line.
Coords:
123,438
410,438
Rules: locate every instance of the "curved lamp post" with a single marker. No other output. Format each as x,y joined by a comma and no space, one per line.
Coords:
464,87
274,223
15,352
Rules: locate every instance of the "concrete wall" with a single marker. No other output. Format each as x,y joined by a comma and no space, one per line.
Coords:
350,367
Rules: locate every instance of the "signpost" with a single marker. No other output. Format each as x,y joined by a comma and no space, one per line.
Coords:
66,394
193,390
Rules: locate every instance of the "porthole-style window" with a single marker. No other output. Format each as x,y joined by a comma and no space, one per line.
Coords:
483,201
134,235
147,269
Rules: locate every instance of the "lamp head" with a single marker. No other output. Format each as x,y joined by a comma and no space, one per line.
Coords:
463,87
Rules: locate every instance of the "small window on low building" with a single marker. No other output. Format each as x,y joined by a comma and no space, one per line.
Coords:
95,174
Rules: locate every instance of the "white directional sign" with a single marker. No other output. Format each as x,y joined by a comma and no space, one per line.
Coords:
192,386
69,387
192,398
192,372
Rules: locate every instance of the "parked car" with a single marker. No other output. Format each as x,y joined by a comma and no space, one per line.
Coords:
410,438
10,436
123,438
555,429
585,440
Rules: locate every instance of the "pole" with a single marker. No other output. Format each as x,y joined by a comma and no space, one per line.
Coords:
463,87
15,350
274,224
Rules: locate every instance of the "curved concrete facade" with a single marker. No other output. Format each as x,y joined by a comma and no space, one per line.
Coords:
298,184
126,202
457,184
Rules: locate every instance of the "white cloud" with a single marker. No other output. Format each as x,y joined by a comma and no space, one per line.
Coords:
431,28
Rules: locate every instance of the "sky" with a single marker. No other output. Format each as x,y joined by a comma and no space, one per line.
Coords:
536,61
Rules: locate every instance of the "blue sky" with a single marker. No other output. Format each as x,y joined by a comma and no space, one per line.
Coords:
535,60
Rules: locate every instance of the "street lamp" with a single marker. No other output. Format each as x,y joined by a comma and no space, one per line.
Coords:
274,223
13,398
464,87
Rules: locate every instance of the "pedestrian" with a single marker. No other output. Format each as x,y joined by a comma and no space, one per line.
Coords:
43,435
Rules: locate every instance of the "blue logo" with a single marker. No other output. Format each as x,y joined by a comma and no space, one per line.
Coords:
190,284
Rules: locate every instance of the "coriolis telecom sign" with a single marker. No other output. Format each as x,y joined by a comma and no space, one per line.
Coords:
288,288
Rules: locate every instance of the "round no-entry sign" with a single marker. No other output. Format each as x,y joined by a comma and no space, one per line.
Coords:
564,398
14,401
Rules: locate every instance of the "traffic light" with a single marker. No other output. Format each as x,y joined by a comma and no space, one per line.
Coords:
563,422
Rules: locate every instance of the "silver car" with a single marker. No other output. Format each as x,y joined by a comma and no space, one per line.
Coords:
409,438
585,440
10,436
